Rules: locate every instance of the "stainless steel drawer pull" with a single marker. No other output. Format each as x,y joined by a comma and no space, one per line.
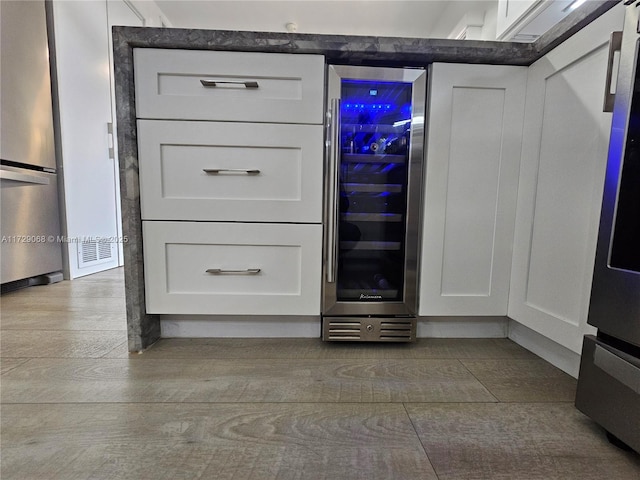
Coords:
220,271
217,171
211,83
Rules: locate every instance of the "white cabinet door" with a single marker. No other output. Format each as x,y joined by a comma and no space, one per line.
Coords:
228,171
232,268
564,157
83,89
474,135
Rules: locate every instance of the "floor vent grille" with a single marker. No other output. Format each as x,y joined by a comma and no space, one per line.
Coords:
92,252
350,329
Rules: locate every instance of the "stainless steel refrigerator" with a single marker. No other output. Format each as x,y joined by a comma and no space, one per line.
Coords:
609,380
30,224
374,153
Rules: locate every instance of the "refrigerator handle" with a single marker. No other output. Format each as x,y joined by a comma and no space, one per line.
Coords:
615,45
23,177
333,191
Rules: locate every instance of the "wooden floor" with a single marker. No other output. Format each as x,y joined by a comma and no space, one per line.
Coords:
77,405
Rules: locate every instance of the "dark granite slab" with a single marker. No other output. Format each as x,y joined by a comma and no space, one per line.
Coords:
144,329
389,51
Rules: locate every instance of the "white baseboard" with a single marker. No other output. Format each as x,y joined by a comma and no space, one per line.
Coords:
223,326
462,327
566,360
230,326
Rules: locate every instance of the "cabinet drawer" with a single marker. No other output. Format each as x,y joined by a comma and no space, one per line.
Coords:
242,86
230,171
232,268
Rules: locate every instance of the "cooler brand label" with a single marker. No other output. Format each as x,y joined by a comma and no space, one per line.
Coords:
364,296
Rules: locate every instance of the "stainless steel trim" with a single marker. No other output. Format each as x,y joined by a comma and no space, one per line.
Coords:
30,225
418,77
616,367
406,75
23,177
217,171
414,190
26,116
615,44
332,197
211,83
246,271
367,329
607,390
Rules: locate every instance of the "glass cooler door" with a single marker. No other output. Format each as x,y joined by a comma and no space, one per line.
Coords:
374,144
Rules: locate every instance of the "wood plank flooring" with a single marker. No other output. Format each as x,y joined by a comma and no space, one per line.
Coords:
76,405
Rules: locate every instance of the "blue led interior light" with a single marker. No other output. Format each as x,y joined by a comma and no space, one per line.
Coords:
367,106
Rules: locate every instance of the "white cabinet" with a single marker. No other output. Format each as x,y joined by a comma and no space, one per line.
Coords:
474,131
232,268
243,145
564,157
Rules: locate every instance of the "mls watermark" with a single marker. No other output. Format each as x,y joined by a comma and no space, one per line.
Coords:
61,239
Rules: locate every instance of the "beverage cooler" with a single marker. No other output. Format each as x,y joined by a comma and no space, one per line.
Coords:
374,154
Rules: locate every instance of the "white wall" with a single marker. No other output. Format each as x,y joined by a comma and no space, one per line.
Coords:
401,18
479,16
151,14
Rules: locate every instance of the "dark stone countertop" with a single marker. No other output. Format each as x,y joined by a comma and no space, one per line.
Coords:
354,50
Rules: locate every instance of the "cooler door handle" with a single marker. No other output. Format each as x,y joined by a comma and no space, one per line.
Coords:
332,189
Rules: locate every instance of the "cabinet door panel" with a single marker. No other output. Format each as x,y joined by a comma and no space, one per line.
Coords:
561,179
473,145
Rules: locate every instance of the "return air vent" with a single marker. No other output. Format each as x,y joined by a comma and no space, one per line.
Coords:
355,329
92,252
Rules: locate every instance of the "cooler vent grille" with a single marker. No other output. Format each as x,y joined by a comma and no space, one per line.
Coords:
369,329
